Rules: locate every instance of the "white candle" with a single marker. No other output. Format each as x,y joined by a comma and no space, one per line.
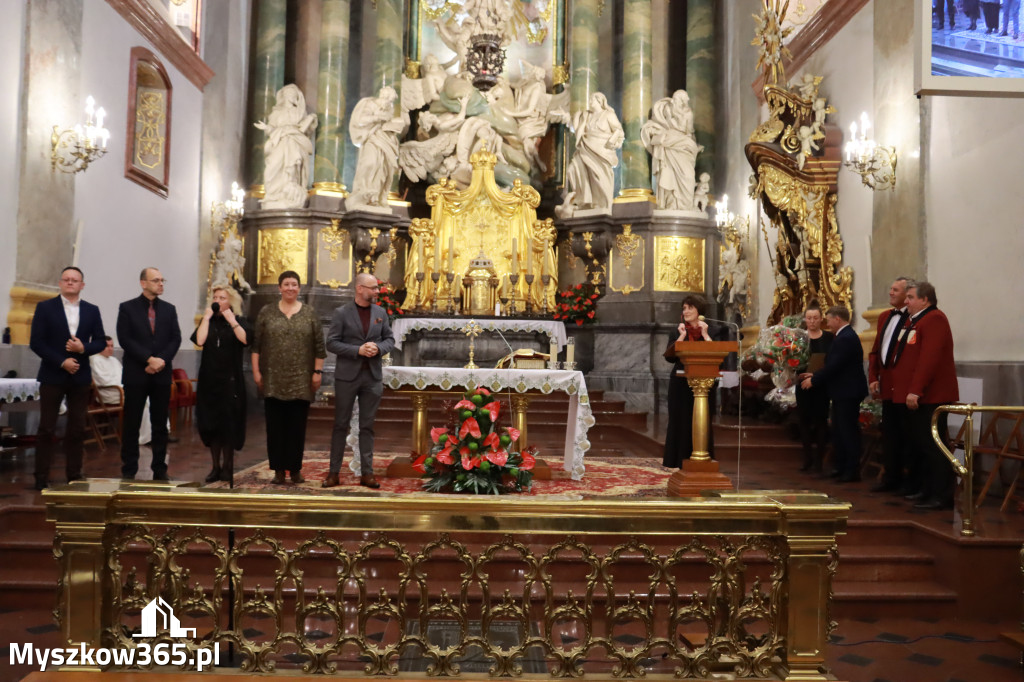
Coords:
100,115
544,263
553,351
570,351
529,256
515,256
419,252
451,254
437,254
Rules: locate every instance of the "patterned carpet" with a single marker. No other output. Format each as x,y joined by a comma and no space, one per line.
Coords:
603,479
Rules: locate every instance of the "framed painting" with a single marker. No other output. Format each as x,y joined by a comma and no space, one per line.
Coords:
147,158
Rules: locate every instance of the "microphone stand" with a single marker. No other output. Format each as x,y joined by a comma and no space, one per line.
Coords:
739,418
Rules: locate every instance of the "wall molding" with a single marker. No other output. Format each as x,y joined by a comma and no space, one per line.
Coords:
165,38
816,33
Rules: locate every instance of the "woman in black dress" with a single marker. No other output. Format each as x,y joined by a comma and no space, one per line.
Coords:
220,395
679,437
812,404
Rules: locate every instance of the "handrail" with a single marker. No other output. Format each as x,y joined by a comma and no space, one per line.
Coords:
967,468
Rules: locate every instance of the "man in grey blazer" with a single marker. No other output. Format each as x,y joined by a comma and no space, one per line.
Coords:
359,335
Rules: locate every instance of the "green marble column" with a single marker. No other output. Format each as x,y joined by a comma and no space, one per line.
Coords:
636,97
700,77
267,79
330,132
583,58
390,61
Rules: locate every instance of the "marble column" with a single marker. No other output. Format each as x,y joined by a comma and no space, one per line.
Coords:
267,78
700,77
390,60
583,59
330,109
636,97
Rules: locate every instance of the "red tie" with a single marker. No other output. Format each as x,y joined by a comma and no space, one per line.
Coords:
152,318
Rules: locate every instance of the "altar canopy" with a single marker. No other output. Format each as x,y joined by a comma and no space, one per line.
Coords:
572,383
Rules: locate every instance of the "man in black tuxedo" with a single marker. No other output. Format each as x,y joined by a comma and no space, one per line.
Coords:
65,331
844,380
147,329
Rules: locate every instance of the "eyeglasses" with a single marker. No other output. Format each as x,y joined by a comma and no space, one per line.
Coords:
157,281
68,280
373,288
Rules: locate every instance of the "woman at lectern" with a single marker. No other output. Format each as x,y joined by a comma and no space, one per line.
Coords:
679,437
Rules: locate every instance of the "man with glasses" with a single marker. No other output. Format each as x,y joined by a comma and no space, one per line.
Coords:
147,329
65,331
359,335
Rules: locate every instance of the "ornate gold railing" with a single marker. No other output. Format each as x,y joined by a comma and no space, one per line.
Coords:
966,470
731,583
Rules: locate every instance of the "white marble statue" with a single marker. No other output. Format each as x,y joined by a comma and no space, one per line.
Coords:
700,195
375,129
287,150
423,91
808,146
599,136
437,137
808,86
535,109
733,271
669,136
229,263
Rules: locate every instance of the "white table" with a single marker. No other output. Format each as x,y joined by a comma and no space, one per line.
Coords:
514,381
554,329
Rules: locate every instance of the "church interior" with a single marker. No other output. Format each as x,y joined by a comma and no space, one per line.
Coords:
542,190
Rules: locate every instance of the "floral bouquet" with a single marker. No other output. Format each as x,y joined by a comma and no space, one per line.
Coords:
386,299
785,350
471,454
577,304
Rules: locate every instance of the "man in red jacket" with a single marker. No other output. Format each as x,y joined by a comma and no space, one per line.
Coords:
924,377
880,363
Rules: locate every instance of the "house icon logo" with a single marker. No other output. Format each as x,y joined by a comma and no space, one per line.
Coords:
158,615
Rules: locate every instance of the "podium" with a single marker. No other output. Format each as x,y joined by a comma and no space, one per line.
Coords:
700,472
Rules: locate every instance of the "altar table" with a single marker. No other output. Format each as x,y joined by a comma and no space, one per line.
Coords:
12,390
402,326
516,381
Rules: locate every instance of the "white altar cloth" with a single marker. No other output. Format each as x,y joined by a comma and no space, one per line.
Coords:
580,417
18,389
554,329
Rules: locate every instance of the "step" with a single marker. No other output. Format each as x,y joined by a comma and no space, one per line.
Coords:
906,599
23,520
885,563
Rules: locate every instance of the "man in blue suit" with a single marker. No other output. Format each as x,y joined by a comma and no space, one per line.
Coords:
147,329
65,331
844,379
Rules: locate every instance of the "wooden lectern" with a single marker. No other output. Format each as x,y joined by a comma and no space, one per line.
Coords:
700,472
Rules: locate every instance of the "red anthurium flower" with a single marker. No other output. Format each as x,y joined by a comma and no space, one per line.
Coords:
436,432
512,432
497,457
593,297
445,457
464,405
494,408
470,426
528,460
492,440
579,323
483,391
793,362
467,462
578,287
590,314
419,464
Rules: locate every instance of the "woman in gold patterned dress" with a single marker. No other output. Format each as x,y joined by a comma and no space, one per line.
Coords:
287,360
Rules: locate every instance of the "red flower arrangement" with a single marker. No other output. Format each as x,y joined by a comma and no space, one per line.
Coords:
471,454
577,304
386,299
785,351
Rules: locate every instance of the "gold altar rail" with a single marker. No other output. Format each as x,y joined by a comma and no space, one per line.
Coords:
966,470
733,583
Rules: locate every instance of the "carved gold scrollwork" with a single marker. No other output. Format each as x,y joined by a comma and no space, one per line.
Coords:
334,271
333,239
628,246
281,249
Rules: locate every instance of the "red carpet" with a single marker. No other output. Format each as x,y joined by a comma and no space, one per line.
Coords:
603,478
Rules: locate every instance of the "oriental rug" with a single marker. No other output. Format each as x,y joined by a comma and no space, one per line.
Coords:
603,478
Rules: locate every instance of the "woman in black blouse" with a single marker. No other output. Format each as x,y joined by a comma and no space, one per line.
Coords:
220,395
813,403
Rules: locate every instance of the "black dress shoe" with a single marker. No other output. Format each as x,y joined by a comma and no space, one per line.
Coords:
278,477
916,497
40,485
214,475
160,477
934,504
835,473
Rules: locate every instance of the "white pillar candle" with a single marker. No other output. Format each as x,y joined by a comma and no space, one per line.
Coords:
515,256
451,254
419,252
570,351
553,351
437,254
529,256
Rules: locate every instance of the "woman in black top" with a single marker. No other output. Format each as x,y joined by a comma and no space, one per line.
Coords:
220,395
813,403
679,437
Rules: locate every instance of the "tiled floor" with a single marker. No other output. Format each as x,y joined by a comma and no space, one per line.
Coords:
898,650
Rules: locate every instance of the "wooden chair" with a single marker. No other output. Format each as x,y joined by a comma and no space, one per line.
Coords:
992,442
104,420
183,396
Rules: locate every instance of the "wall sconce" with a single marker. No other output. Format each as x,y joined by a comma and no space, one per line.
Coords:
73,149
728,222
230,211
875,164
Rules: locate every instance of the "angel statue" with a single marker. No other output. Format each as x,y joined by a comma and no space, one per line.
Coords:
534,109
422,158
375,128
669,136
423,91
228,263
287,150
590,175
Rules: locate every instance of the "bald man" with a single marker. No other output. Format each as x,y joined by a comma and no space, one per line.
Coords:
359,335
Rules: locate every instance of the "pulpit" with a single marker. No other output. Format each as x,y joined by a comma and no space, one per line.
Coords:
700,472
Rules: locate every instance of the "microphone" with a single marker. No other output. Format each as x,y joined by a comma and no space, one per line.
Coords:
732,325
739,409
215,307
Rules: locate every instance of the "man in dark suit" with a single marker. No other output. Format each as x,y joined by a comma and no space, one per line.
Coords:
65,331
147,329
880,364
359,335
844,380
924,377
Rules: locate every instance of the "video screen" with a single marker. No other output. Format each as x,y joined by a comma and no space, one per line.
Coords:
977,39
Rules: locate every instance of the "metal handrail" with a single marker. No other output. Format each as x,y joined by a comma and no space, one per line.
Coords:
966,470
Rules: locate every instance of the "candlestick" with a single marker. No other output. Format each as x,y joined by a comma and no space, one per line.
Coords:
545,280
419,287
449,277
434,277
513,280
529,293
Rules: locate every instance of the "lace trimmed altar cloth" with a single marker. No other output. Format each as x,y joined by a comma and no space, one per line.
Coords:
12,390
403,326
579,421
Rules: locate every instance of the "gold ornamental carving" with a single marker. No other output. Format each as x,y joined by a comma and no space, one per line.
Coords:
678,263
281,249
333,239
627,244
334,256
622,276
